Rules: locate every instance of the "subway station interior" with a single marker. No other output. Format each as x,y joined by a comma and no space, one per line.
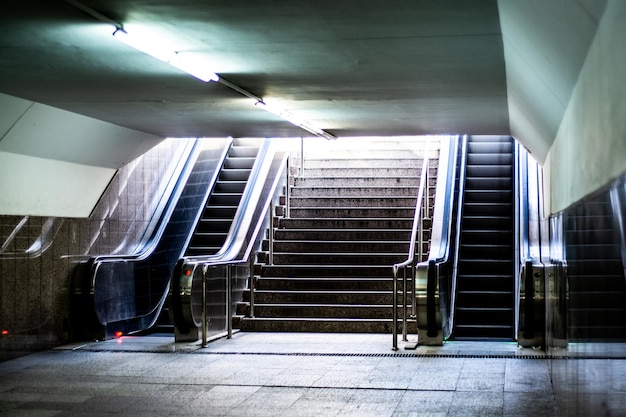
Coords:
269,208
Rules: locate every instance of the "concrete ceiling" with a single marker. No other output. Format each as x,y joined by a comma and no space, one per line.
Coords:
350,67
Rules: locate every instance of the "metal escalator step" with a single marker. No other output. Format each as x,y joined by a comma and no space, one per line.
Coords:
239,163
488,183
202,250
483,282
219,213
243,152
489,170
475,147
234,174
224,199
474,332
499,236
488,209
232,187
490,159
490,251
488,196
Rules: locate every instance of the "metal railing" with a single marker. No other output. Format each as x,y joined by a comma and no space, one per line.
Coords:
254,215
414,255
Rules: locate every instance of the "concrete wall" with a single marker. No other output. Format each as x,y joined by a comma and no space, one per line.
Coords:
58,163
590,147
545,47
38,254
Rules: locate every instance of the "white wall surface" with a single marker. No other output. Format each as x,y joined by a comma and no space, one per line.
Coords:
590,147
57,163
545,46
45,187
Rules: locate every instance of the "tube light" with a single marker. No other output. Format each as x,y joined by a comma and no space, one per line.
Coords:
151,47
284,114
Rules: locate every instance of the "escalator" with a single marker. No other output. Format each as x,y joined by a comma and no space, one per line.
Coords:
212,228
126,294
484,306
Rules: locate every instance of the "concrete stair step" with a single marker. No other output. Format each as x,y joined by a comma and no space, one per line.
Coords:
296,224
331,202
321,283
324,270
351,212
320,310
341,234
380,160
366,191
340,297
319,325
362,172
357,181
294,258
339,247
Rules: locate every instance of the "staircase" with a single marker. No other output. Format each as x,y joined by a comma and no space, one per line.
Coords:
485,298
350,220
597,293
220,209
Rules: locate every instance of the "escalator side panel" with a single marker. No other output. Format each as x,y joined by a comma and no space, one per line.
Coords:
130,292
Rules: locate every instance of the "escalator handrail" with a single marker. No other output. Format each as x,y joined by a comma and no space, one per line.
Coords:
172,200
252,209
442,240
457,226
444,202
96,263
164,208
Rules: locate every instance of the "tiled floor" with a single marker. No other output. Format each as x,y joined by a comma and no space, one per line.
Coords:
278,374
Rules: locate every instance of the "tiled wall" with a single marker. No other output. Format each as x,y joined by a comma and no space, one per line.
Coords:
38,254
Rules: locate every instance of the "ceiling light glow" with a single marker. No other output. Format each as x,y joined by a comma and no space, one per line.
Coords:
284,114
152,47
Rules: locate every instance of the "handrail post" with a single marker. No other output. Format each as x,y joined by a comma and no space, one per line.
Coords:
270,259
301,157
229,303
394,323
204,300
404,303
252,286
287,213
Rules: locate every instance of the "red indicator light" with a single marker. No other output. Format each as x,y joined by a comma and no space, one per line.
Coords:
118,334
5,332
187,272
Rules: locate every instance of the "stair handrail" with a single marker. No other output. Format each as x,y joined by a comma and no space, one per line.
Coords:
421,206
270,171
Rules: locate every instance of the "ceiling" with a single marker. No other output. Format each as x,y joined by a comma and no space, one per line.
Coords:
350,67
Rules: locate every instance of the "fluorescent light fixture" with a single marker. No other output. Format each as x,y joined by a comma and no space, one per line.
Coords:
284,114
176,59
